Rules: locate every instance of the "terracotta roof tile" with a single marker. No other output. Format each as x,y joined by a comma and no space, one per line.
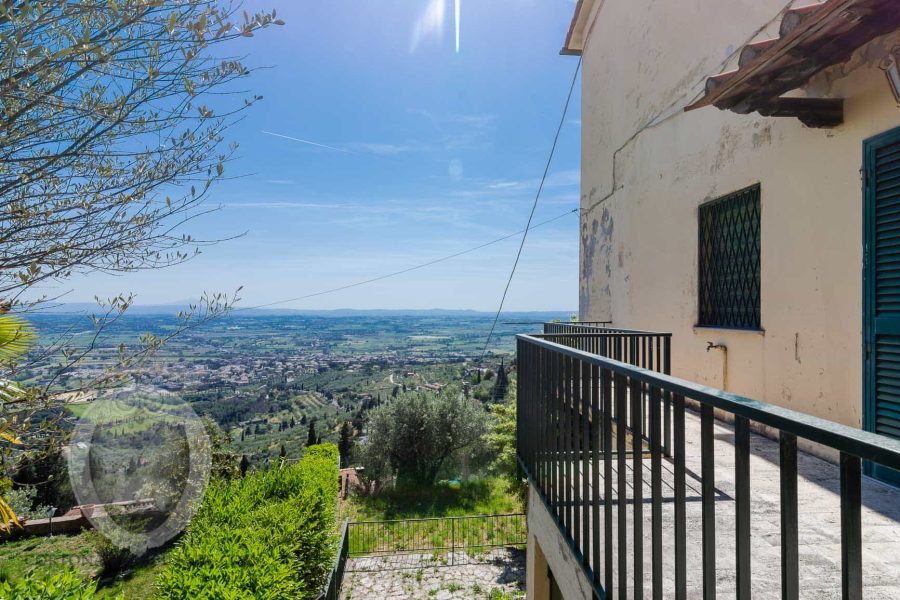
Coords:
811,38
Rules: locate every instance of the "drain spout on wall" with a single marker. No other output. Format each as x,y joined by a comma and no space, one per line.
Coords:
724,349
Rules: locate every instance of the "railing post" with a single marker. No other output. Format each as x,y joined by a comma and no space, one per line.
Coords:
452,541
742,506
708,490
790,569
851,527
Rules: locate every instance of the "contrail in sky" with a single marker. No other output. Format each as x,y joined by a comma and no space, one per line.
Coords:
458,10
287,137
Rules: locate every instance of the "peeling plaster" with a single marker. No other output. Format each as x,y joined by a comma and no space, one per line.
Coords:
588,251
763,137
870,55
729,142
595,238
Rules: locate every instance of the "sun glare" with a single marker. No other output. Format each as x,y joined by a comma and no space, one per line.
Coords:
458,10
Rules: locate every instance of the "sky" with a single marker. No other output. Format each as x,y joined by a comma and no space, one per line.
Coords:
378,146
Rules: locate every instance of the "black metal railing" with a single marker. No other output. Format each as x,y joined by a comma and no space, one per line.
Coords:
573,403
332,589
448,537
647,349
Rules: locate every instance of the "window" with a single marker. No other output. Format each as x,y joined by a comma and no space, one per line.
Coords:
729,245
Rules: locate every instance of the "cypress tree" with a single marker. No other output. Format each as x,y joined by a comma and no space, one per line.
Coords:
311,438
345,445
501,385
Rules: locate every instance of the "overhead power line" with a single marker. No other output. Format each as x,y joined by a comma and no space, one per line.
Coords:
562,122
668,113
413,268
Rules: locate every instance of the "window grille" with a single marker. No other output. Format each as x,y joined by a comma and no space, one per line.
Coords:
729,272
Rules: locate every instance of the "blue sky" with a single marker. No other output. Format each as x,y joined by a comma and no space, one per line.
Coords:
431,152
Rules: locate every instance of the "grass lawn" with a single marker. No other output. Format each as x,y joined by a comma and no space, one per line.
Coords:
20,557
136,583
46,554
481,496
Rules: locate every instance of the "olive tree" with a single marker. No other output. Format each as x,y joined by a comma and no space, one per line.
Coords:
417,433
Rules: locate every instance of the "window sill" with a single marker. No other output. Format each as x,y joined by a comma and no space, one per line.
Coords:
704,328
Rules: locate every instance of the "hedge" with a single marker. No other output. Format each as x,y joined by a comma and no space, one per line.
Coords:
269,535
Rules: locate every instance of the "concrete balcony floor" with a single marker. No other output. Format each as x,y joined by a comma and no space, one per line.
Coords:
819,524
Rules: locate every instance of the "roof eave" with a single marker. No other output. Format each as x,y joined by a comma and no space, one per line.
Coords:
769,68
573,46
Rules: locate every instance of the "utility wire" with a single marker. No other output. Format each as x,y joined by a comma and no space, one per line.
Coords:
562,122
414,268
654,122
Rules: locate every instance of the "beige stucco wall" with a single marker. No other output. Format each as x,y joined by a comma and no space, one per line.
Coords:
645,61
548,548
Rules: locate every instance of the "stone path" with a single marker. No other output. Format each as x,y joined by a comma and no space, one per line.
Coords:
498,575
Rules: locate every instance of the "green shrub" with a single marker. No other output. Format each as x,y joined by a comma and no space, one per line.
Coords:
269,535
64,585
112,558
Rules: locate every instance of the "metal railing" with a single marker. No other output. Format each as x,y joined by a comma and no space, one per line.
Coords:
450,536
571,405
332,589
646,349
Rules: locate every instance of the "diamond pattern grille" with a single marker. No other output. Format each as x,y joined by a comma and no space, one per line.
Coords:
729,248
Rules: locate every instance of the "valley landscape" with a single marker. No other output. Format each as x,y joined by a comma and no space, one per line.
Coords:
262,378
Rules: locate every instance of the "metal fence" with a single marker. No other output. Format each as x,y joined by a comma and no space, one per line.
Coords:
448,540
571,406
332,590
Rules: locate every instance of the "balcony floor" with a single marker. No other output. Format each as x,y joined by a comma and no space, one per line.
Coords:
819,524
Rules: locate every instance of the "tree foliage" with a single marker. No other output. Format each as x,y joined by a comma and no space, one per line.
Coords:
501,438
110,141
311,438
416,433
107,143
501,384
346,444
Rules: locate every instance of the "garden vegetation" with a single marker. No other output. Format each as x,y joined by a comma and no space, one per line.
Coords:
270,535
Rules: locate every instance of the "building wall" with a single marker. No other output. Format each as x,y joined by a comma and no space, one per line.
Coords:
644,61
548,548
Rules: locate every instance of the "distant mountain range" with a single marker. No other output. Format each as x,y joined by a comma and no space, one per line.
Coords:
171,309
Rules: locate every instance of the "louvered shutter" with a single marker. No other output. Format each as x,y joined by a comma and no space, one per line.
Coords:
885,184
882,291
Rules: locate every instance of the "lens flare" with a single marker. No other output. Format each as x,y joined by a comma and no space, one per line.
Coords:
430,24
458,11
